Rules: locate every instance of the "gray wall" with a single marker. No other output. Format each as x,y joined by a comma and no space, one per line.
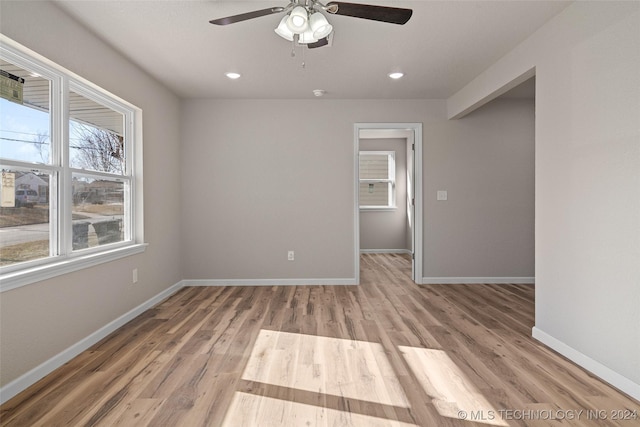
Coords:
42,319
485,162
387,229
275,188
588,180
587,63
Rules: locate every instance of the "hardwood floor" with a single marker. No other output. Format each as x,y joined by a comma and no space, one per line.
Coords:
385,353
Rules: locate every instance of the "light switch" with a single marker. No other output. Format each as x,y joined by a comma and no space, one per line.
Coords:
442,195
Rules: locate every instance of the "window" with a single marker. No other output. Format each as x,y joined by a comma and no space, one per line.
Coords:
69,153
377,179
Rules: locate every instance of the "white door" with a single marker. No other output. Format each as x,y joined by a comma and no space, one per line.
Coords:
411,214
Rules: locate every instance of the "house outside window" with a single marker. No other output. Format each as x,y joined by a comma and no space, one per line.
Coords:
377,176
70,155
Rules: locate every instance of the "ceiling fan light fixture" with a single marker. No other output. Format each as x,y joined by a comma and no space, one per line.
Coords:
304,21
283,30
307,37
319,25
297,21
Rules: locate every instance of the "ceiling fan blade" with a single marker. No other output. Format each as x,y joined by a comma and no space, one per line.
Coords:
392,15
244,16
322,42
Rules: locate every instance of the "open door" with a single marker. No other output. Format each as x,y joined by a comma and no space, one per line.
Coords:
411,214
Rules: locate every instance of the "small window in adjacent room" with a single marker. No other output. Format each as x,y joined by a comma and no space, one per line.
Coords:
70,154
377,179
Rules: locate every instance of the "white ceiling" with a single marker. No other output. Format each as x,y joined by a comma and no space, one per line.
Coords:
443,47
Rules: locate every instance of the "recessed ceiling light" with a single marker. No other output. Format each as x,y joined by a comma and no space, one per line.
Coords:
233,76
396,75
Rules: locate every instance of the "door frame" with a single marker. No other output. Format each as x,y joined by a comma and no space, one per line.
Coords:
417,192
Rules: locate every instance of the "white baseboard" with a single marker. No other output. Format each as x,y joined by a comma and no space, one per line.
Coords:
385,251
21,383
267,282
477,280
612,377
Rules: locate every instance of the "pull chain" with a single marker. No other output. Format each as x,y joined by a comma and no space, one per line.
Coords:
294,45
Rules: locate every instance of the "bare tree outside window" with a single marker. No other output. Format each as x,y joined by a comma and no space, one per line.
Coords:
41,141
97,149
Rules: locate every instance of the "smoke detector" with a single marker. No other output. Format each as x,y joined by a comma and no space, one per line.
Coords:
319,92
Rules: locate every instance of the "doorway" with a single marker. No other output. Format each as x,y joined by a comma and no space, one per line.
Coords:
412,196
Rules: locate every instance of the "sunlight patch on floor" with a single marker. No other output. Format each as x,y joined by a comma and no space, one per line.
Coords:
454,395
251,410
352,369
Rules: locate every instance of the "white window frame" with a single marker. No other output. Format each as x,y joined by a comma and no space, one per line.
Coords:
390,181
64,259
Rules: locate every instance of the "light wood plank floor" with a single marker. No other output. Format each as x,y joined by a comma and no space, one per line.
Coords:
385,353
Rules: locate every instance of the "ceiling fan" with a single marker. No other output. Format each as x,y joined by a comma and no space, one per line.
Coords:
304,23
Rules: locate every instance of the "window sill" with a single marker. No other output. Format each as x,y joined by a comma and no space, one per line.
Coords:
378,208
28,276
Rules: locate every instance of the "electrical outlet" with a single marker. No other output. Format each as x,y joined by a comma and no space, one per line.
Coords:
290,255
135,275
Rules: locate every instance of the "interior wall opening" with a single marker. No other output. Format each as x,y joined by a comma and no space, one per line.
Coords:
386,184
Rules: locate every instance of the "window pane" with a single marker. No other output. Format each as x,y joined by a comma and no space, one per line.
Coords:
24,115
98,212
374,194
374,166
96,137
376,171
24,216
